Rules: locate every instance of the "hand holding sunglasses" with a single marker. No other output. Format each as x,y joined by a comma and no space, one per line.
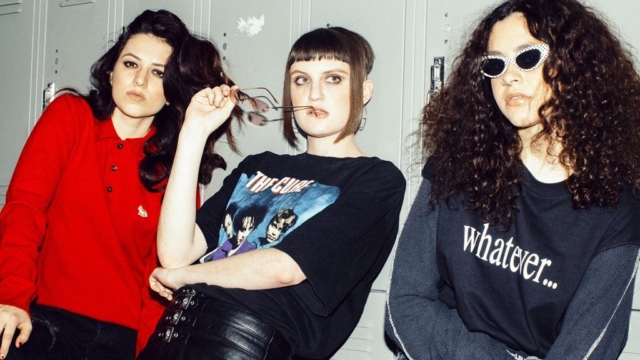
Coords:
527,59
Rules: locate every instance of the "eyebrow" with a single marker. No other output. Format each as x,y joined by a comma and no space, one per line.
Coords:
336,70
523,46
324,72
138,58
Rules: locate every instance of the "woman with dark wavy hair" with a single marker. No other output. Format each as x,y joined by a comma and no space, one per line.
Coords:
78,229
523,239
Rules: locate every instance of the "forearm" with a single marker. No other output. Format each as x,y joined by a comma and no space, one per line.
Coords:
22,229
597,318
21,234
24,218
255,270
177,243
421,325
429,330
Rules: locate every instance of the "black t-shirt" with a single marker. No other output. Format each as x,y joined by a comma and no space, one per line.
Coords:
516,285
336,217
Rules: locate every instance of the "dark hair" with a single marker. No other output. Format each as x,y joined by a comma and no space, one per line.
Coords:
257,213
166,26
231,209
592,111
197,64
193,65
334,43
287,216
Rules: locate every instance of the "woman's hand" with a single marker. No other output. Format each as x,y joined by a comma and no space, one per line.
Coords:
12,318
209,108
165,281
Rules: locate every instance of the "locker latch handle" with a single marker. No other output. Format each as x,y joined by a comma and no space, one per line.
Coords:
48,95
437,75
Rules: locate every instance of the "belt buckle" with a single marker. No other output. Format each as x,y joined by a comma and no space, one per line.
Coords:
168,334
185,300
176,317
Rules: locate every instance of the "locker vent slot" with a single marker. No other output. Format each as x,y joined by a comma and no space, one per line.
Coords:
10,7
75,2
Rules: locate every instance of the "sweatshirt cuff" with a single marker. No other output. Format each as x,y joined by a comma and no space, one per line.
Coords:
17,292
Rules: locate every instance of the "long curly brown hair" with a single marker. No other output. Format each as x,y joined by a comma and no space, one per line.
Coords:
593,111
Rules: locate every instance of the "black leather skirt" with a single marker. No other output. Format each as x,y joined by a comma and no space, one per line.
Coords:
195,326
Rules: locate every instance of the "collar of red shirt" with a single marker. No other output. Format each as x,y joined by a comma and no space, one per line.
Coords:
105,129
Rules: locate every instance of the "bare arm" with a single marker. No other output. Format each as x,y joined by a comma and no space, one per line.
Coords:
180,242
254,270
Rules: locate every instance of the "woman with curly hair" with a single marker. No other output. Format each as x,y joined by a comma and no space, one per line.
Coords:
78,230
523,239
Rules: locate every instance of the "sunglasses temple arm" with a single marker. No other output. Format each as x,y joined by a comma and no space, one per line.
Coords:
293,108
262,88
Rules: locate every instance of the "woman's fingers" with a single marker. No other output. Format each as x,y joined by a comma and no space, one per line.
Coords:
25,331
157,282
12,319
209,108
217,96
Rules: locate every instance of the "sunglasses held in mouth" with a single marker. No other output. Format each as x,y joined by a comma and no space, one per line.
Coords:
527,59
262,106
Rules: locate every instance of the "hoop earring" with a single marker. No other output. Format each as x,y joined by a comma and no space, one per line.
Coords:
363,121
294,125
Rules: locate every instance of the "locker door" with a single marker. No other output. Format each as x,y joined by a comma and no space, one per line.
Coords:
20,24
254,38
186,10
77,35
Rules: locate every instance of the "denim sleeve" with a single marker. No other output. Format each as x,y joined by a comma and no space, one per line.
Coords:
420,325
597,320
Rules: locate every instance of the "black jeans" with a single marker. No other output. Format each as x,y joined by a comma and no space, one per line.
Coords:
195,326
62,335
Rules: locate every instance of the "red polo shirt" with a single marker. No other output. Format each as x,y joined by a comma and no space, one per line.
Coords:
78,227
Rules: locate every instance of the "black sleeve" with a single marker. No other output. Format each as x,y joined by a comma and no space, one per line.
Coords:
596,324
341,245
421,325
